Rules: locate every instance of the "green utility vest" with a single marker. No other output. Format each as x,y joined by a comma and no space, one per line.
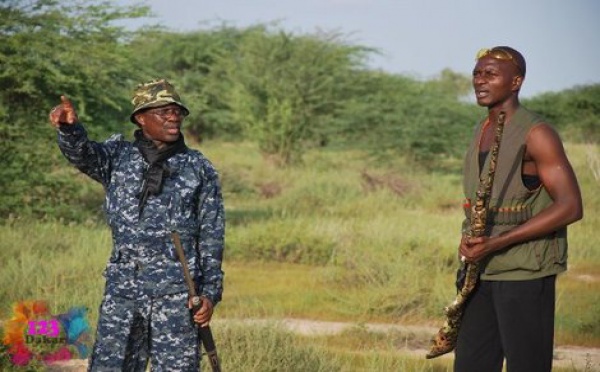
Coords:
512,204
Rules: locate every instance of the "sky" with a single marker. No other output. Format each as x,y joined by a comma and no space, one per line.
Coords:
560,39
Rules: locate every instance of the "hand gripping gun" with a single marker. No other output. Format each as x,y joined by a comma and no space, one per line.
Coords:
204,333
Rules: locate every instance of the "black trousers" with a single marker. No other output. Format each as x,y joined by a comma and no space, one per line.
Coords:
508,319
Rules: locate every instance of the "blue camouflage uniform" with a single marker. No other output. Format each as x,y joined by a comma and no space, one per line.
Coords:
144,311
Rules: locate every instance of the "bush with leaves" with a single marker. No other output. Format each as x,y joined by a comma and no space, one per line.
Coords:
49,48
283,89
575,112
392,115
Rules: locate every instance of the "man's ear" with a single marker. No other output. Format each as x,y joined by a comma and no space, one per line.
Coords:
139,118
517,83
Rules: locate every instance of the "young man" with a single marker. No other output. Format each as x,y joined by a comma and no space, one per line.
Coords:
154,186
535,195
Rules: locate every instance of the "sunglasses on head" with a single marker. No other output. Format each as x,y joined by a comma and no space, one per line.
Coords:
498,53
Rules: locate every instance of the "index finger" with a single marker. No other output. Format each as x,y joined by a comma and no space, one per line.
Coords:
66,102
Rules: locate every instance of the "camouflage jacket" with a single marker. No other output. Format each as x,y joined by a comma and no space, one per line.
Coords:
143,261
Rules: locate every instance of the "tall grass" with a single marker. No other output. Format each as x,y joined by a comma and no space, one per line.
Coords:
383,236
60,264
340,237
268,348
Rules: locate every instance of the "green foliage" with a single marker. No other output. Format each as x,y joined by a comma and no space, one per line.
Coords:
294,242
264,84
451,84
364,237
49,48
52,262
575,112
285,92
393,114
190,60
390,257
259,348
291,92
284,89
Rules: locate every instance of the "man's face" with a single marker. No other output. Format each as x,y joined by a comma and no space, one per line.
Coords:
162,124
495,81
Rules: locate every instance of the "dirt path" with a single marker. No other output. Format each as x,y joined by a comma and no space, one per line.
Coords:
580,358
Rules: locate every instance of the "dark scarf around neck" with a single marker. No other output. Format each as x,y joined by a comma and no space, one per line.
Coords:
158,170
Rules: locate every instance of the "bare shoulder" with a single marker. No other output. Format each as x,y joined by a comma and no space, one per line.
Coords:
541,131
544,142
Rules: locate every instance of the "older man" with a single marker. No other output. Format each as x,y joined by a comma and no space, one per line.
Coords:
154,186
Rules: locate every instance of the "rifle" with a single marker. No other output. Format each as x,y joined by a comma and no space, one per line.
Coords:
204,333
445,340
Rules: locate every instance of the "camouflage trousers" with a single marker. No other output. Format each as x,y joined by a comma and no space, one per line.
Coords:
131,332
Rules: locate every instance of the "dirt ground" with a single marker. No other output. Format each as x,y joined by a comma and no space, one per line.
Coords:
580,358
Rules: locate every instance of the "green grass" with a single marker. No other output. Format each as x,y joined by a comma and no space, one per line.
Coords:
338,238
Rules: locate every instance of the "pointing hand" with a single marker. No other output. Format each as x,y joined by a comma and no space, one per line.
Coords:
63,114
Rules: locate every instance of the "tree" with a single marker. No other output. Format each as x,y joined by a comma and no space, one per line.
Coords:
190,61
575,112
283,89
396,115
49,48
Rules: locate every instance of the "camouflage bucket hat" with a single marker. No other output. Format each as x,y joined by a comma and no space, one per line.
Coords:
156,93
